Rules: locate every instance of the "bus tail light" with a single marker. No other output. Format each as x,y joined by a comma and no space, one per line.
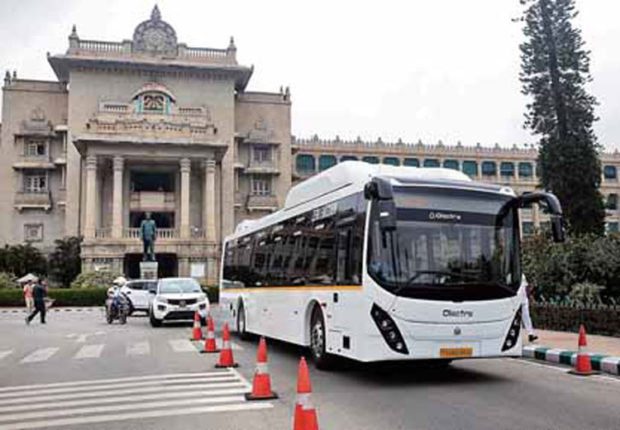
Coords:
388,330
513,332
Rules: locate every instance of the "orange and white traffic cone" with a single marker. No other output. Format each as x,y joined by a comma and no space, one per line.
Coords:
226,354
196,331
583,365
261,386
305,414
210,346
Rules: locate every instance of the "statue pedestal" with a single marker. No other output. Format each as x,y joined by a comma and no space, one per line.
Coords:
148,270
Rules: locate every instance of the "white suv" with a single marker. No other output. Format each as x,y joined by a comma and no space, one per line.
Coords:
138,292
177,299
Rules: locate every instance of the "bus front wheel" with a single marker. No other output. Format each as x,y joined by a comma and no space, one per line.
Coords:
321,358
241,323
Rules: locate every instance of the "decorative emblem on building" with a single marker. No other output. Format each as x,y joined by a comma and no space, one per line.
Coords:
155,36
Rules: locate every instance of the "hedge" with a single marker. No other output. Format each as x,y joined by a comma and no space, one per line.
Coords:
61,296
602,319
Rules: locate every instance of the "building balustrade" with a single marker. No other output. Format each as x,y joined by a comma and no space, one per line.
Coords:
34,162
258,202
152,200
267,166
33,200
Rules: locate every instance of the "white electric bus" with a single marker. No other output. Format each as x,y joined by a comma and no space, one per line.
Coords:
376,262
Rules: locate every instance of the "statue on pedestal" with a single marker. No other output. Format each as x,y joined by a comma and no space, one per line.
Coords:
148,232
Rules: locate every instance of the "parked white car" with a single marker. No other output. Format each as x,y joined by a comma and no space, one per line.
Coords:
177,299
138,293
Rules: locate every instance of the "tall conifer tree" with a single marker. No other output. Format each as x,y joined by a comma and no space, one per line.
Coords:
555,69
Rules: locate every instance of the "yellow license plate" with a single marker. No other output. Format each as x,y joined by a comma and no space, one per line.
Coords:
456,352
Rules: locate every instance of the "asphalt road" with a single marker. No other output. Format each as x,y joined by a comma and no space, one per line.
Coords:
172,386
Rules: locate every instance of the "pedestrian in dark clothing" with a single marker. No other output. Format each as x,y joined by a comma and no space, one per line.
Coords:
38,293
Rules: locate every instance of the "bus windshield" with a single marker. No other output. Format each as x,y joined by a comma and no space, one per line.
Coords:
449,244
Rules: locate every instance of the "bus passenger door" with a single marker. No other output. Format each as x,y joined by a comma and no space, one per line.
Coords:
343,277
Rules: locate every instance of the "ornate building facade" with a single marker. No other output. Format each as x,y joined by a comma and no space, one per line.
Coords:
143,125
150,124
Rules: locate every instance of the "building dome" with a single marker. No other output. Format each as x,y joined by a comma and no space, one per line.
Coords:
155,36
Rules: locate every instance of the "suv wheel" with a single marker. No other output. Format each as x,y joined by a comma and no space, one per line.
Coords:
154,321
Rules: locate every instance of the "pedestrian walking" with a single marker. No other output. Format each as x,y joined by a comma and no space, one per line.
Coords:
525,306
38,294
28,296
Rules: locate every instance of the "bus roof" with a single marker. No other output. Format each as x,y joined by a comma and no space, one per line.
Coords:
351,177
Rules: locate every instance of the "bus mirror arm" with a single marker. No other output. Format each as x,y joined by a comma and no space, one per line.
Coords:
380,190
555,210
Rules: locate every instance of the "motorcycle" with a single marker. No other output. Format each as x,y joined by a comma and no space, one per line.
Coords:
117,307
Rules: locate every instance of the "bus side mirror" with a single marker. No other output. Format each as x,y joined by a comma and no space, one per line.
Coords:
555,210
387,215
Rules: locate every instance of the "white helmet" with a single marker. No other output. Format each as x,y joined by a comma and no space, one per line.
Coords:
120,281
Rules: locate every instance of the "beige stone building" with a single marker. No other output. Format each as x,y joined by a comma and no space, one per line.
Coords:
150,124
147,124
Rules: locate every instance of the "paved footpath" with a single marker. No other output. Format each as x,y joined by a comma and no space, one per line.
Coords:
78,372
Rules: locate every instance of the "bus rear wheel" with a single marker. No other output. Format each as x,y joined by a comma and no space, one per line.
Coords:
242,330
322,360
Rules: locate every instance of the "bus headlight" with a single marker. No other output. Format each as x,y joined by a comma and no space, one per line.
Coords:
388,329
513,332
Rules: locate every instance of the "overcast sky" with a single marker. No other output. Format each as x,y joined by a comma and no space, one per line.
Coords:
414,69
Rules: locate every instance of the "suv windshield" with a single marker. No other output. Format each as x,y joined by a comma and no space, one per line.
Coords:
179,286
448,245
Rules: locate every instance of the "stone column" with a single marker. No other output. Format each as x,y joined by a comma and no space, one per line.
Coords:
209,201
185,178
117,198
90,215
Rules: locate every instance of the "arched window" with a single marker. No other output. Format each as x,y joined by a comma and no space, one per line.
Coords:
327,161
392,161
431,162
612,202
610,172
371,159
451,164
489,168
470,167
412,162
305,163
507,168
526,170
153,98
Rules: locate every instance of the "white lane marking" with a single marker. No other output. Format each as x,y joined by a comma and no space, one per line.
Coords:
117,392
39,355
139,348
186,382
118,408
89,351
115,380
81,338
182,345
607,378
6,353
120,399
138,415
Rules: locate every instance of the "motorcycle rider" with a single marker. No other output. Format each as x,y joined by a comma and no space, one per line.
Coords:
114,291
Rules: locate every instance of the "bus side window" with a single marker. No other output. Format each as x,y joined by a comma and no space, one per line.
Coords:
343,257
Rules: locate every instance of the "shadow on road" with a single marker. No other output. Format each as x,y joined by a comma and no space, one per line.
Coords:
397,373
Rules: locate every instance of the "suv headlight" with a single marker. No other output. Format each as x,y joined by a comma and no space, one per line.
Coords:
161,299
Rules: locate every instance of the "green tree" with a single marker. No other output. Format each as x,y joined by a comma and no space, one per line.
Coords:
555,69
65,263
23,259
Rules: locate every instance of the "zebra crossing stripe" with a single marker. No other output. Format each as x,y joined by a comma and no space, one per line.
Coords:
89,351
118,399
115,392
6,353
138,348
94,387
170,376
135,415
181,345
102,402
117,408
39,355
